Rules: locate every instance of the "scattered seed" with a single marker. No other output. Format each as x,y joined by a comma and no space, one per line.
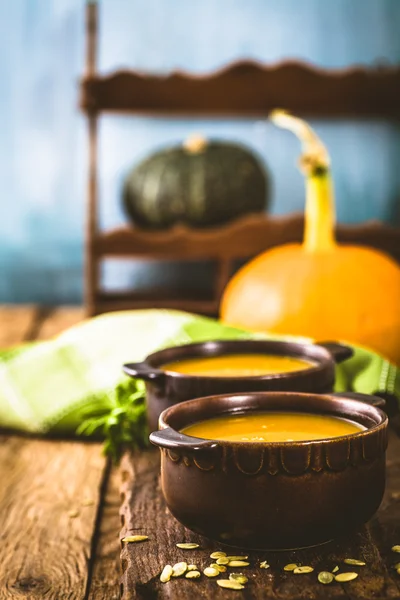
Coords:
230,584
264,565
211,572
335,569
217,554
222,560
220,568
179,569
87,502
192,574
396,548
134,539
73,513
238,577
237,557
396,566
238,563
301,570
290,567
192,568
166,574
188,546
325,577
398,570
355,562
343,577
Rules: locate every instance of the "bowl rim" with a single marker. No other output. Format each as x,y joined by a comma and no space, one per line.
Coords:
324,361
328,399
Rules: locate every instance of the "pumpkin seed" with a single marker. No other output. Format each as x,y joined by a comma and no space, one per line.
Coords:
325,577
396,566
87,502
179,569
237,557
220,568
343,577
73,513
134,539
192,568
211,572
355,562
217,554
166,574
223,560
301,570
229,584
398,570
396,548
238,563
336,569
290,567
238,577
264,565
188,546
192,574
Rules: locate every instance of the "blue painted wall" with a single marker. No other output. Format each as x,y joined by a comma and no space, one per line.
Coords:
43,137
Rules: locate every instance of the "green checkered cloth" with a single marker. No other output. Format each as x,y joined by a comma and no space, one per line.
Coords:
54,386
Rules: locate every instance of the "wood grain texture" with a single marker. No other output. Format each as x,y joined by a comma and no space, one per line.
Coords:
106,570
249,88
144,512
44,551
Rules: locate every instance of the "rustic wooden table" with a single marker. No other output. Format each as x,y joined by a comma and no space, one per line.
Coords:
45,550
60,523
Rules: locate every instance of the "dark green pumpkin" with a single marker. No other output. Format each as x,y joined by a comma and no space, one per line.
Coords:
199,183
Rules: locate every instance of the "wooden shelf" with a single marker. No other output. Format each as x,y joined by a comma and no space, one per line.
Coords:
239,239
110,301
249,88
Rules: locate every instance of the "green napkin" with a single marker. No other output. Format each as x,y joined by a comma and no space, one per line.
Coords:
54,386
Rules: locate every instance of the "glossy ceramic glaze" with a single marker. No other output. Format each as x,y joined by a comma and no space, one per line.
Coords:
163,389
273,495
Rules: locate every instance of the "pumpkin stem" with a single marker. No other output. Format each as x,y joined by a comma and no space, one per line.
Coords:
315,164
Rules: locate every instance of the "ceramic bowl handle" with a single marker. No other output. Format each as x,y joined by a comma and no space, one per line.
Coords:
143,370
339,352
173,440
367,398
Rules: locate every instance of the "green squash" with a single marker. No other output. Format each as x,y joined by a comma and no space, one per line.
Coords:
200,184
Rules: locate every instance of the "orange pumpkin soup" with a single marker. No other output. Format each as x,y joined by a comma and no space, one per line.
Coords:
237,365
272,427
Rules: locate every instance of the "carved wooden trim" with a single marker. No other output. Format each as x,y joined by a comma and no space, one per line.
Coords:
242,238
249,88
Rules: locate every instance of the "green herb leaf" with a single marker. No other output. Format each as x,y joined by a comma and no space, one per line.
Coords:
120,421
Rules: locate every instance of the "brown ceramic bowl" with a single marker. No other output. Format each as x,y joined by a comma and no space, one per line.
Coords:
273,495
165,388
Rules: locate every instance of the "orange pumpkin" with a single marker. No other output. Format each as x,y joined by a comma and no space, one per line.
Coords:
318,288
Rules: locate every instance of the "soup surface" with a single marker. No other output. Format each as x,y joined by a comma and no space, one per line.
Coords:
272,427
237,365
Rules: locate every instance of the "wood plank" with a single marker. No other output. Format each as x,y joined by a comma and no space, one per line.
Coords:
45,552
256,233
249,88
106,570
144,512
55,320
44,548
16,324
